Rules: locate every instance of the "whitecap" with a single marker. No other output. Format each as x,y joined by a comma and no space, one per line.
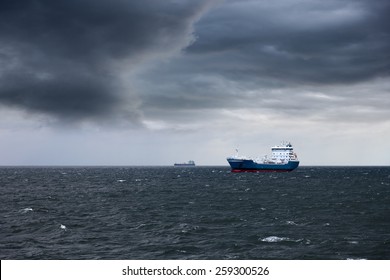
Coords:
181,251
273,239
121,180
291,223
185,228
140,226
25,210
63,227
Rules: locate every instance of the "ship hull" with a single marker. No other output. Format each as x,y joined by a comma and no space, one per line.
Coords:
248,165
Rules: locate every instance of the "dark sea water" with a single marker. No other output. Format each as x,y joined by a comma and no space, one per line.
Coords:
194,213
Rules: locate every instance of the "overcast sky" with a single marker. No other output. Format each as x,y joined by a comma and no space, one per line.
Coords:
150,82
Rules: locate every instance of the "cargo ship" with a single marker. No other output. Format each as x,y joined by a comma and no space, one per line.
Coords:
190,163
283,159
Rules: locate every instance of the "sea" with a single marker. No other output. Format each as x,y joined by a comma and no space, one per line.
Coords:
201,213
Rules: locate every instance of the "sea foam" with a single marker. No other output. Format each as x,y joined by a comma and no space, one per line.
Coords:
25,210
274,239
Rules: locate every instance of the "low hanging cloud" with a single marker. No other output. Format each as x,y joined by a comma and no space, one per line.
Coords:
308,59
73,60
64,58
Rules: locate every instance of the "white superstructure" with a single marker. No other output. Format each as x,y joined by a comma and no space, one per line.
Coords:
283,153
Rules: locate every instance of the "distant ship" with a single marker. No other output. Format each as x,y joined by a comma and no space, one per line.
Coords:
283,159
190,163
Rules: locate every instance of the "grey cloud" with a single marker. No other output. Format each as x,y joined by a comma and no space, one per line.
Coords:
61,57
66,58
271,56
69,96
297,41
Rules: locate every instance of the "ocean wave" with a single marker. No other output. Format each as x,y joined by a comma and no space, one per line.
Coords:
25,210
292,223
140,226
153,216
275,239
185,228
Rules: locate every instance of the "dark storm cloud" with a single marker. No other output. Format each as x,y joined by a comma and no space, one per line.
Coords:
68,58
285,57
297,41
60,57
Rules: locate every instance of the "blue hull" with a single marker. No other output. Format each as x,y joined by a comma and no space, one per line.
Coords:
248,165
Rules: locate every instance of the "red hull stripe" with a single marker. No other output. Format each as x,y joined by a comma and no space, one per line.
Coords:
259,170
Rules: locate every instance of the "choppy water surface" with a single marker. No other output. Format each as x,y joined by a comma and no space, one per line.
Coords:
194,213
